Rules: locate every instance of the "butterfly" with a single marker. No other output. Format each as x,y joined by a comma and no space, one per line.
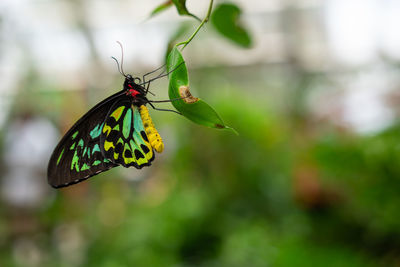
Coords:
117,131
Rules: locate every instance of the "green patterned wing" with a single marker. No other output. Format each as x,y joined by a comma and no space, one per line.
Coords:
78,155
123,139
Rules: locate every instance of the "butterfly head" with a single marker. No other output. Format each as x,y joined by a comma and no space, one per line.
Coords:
133,88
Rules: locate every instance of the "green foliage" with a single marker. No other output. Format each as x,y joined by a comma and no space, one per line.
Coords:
191,107
219,199
225,19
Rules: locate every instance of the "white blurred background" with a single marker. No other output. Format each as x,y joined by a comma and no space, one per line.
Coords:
349,41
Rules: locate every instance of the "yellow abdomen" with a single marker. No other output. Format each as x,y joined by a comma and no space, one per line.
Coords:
154,138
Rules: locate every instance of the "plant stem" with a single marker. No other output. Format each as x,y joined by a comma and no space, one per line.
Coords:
204,21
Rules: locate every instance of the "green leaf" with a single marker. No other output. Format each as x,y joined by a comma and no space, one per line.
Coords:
182,10
161,7
191,107
225,19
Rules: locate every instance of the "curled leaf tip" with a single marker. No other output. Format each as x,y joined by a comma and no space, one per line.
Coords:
232,129
161,7
186,95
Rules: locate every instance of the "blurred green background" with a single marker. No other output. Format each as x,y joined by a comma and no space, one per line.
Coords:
312,179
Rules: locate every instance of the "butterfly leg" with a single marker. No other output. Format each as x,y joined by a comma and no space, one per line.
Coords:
166,101
144,76
161,109
162,74
147,87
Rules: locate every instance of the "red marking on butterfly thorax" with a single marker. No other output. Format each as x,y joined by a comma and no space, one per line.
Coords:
132,91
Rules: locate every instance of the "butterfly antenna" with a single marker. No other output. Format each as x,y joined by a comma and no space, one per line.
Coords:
122,58
119,69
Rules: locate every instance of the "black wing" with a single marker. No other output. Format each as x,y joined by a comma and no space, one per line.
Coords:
78,155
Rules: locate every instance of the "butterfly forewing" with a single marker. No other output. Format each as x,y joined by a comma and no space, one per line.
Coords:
123,139
79,156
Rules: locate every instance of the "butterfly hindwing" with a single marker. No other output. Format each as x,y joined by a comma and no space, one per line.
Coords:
78,156
123,139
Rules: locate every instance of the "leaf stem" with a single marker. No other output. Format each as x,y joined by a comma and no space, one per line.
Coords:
204,21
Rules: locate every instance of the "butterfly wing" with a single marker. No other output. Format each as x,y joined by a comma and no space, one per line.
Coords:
78,155
123,139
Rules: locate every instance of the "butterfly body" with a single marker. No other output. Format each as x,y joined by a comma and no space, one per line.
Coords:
117,131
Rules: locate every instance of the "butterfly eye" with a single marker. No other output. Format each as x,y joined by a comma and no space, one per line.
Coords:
136,78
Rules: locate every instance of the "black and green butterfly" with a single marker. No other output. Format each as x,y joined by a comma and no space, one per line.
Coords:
117,131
